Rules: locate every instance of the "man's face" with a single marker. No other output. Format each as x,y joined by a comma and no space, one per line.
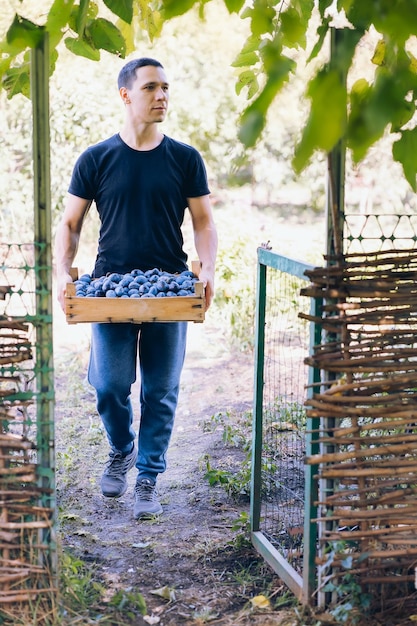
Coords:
149,94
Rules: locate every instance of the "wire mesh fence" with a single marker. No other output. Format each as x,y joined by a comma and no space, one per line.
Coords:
370,232
27,512
283,340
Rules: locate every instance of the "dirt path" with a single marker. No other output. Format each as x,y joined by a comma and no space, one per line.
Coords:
191,552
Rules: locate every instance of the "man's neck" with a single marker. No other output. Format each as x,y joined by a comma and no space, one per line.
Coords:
145,139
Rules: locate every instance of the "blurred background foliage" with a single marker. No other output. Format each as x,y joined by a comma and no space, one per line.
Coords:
205,111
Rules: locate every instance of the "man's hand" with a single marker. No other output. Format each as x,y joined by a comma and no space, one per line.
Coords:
207,278
62,282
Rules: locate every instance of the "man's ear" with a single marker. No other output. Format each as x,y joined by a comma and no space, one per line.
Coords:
124,95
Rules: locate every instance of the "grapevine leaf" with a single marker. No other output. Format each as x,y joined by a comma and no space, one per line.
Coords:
247,79
107,36
305,8
361,14
292,29
323,5
322,31
403,114
262,19
172,8
121,8
379,53
398,20
234,6
413,63
24,34
405,151
251,44
128,33
152,22
81,48
149,20
377,106
5,64
327,119
254,117
245,59
16,80
59,14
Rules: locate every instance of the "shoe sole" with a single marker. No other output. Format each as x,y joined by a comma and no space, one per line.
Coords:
115,495
144,516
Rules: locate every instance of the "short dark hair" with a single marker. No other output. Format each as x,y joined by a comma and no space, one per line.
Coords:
127,74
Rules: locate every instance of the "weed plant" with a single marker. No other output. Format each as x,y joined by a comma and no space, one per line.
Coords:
237,433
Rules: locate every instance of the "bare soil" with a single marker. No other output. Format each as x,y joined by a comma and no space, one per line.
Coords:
189,565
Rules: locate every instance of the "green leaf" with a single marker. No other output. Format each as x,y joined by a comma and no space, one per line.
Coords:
251,44
251,127
379,53
254,117
149,20
247,79
322,31
304,9
245,59
24,34
121,8
327,119
323,5
397,19
374,107
16,80
128,33
361,14
58,15
403,114
172,8
234,6
81,48
293,31
107,36
53,58
405,152
4,65
262,19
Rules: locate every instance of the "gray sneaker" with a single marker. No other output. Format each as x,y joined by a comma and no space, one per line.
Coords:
114,479
146,500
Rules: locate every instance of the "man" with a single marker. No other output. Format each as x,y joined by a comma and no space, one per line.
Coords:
141,182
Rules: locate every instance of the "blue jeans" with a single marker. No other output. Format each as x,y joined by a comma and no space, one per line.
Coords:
112,372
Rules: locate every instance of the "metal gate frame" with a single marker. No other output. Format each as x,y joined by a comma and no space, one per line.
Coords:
302,586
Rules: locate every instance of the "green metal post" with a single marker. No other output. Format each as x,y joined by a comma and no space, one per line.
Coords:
310,471
335,205
43,276
271,555
335,177
258,399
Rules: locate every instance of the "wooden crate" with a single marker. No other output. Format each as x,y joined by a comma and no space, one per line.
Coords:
135,310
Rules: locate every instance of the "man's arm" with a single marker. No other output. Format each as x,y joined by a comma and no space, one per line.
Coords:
205,240
66,241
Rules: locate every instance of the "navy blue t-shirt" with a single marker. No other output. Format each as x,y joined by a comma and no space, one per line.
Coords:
141,197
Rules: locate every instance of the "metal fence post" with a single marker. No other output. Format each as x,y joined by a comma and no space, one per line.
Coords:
39,75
